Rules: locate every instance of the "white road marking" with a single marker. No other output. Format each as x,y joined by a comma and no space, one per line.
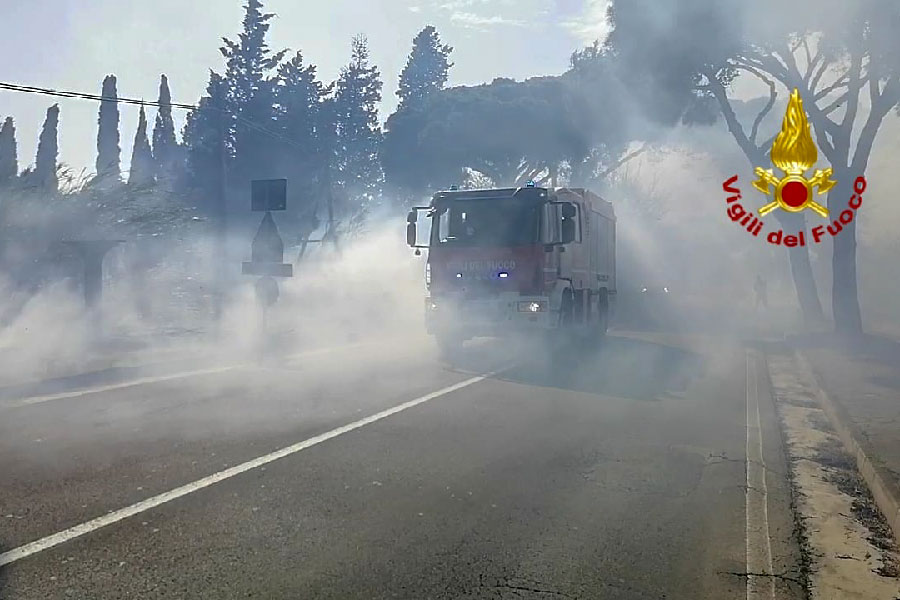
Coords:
145,505
114,386
161,378
759,545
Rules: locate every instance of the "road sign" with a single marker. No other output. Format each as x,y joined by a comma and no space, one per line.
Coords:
268,194
267,252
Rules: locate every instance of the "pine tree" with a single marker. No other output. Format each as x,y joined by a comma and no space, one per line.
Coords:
142,163
165,145
251,93
358,133
426,68
9,161
45,175
108,151
205,139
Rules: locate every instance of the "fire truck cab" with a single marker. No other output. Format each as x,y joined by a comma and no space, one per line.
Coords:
517,260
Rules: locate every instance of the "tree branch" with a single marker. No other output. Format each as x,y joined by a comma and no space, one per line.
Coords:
766,109
822,125
751,151
853,89
841,82
633,154
834,105
817,77
809,58
886,101
768,63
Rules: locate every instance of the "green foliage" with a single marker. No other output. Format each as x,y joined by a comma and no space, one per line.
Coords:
142,165
9,162
507,131
166,153
44,175
357,132
204,136
108,151
426,68
250,95
302,116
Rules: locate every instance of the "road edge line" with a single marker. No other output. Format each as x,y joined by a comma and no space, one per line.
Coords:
121,514
756,509
885,494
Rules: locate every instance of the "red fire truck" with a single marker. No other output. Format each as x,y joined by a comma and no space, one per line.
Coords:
517,260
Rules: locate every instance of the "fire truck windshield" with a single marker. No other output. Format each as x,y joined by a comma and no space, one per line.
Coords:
486,223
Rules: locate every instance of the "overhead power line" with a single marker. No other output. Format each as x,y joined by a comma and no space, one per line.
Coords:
29,89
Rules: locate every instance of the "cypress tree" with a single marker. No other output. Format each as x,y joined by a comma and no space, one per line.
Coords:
45,174
426,68
142,165
108,151
165,145
9,161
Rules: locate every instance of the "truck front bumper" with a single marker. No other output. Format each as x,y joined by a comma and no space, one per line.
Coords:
495,316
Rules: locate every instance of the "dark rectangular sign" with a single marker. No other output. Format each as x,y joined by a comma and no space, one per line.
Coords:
268,194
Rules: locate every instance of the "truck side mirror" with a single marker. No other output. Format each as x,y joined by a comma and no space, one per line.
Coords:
412,216
411,234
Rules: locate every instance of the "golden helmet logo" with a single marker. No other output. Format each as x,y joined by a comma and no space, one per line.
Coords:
794,152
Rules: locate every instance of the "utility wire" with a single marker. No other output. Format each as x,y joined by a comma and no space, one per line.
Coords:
14,87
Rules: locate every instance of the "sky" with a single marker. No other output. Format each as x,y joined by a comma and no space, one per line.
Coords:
73,44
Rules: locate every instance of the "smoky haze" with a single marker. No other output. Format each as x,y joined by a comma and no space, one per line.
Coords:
672,223
186,435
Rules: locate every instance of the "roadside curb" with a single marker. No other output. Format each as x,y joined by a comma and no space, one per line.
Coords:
885,492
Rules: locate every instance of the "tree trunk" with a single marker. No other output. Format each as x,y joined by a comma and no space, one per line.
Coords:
844,291
801,270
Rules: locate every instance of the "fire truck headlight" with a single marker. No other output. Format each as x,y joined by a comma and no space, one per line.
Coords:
531,307
502,274
459,275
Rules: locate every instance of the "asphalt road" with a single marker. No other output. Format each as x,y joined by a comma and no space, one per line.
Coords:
620,474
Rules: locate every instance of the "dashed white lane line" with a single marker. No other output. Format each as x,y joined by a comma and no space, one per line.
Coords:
145,505
28,401
759,544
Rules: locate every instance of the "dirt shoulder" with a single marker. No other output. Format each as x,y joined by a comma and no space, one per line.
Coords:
863,379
